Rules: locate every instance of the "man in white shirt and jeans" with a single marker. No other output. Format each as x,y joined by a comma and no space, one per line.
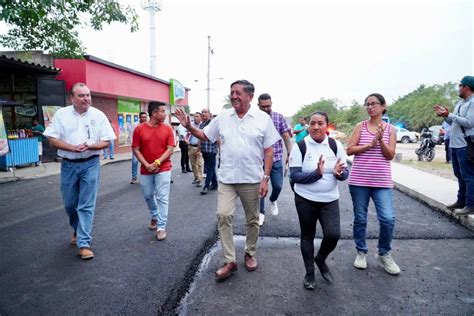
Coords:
247,136
80,132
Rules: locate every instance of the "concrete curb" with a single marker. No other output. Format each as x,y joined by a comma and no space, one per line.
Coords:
467,221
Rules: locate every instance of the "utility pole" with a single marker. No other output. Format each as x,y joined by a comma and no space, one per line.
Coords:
152,6
209,51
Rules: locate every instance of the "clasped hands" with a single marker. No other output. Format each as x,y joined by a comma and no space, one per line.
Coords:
441,110
338,168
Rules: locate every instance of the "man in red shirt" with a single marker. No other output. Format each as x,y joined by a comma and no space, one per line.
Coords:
153,144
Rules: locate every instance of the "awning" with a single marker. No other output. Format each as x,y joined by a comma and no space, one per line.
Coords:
13,65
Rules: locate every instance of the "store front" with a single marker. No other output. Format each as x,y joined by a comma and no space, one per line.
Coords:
120,92
27,91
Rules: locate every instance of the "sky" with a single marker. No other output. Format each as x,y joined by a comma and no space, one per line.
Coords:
298,51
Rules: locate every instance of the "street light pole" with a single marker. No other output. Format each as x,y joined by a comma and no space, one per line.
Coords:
152,6
209,72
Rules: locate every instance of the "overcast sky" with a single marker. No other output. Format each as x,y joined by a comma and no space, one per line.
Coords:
299,51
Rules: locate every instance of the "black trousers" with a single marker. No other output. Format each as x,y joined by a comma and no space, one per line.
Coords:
183,146
448,150
309,212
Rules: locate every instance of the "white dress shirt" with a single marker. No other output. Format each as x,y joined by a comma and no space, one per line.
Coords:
325,189
73,128
242,143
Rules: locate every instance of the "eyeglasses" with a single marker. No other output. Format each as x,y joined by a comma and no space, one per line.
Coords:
372,104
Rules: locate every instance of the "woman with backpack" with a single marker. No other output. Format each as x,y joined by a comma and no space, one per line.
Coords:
373,145
316,163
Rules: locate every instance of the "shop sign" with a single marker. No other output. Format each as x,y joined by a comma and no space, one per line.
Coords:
177,91
26,110
48,113
128,111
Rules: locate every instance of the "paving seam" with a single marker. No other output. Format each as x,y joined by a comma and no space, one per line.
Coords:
372,238
181,288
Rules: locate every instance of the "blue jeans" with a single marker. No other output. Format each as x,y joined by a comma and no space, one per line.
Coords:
79,184
110,150
382,198
210,170
134,166
156,191
464,172
276,178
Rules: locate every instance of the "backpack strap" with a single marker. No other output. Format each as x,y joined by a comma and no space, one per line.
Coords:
333,145
302,147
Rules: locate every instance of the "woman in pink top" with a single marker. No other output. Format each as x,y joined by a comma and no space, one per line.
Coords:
373,145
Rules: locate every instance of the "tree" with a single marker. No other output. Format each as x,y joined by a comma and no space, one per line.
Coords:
415,110
51,25
326,105
347,118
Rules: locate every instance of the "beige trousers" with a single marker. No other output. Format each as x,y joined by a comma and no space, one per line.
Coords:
196,162
226,201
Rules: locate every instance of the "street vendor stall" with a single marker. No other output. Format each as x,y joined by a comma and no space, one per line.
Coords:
27,92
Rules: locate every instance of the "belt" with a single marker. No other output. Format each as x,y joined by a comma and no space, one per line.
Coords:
80,159
193,145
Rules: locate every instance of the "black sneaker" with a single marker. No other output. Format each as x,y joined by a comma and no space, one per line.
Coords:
324,269
457,205
204,191
309,282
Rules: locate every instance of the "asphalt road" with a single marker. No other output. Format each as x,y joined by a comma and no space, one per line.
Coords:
133,273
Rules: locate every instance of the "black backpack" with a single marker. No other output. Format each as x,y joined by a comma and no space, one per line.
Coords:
302,146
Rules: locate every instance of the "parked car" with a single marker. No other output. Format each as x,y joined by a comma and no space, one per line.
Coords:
438,134
405,136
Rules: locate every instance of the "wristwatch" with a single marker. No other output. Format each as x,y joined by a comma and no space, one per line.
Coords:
265,177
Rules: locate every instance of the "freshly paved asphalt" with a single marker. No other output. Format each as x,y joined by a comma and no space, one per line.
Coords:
133,273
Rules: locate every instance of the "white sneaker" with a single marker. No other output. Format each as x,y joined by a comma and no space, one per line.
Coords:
389,264
274,208
261,219
361,260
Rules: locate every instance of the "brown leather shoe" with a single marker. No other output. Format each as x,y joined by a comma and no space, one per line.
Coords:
74,239
85,253
250,263
226,270
153,224
161,234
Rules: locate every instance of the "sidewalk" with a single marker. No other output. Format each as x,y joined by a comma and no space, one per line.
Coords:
48,169
435,191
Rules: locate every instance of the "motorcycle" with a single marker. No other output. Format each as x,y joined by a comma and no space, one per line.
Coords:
426,151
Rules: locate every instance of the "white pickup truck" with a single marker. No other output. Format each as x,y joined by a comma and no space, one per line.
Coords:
405,136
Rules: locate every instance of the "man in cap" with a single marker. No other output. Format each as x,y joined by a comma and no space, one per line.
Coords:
462,132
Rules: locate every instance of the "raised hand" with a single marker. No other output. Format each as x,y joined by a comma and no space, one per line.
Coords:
441,110
338,168
320,169
380,130
182,117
